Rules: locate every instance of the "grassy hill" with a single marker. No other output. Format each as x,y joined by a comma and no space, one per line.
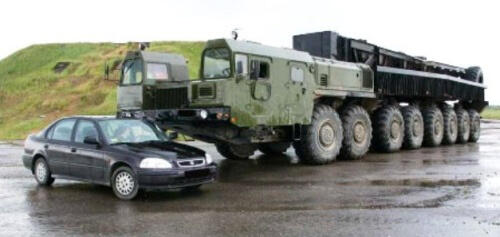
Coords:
33,94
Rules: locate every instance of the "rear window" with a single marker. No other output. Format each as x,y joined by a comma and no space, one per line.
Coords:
62,130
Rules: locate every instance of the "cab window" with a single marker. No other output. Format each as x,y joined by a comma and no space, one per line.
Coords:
157,71
85,128
62,130
241,64
132,72
259,70
297,74
216,63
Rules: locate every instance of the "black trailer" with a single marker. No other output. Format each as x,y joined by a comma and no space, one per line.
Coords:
399,75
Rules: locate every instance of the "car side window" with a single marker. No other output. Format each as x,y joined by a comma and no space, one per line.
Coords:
62,130
85,128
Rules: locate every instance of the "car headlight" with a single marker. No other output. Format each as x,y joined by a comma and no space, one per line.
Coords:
208,159
155,163
204,114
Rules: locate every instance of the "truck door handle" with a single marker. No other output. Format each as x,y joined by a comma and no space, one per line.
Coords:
73,149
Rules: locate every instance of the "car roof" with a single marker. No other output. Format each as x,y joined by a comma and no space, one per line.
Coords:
94,117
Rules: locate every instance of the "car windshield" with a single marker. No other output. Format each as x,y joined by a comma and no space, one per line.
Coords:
216,63
117,131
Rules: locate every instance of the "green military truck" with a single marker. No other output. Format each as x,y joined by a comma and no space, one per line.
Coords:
330,97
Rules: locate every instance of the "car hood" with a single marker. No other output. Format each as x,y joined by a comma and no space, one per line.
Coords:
166,150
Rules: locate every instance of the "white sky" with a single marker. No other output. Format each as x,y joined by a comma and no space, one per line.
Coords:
462,33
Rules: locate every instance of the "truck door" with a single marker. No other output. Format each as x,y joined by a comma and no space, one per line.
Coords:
295,87
130,88
260,88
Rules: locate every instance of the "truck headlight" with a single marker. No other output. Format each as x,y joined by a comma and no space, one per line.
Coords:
208,159
155,163
203,114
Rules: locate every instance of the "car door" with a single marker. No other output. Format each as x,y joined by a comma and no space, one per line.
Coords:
88,160
57,146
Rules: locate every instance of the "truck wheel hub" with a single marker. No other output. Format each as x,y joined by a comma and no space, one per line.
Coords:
359,132
417,128
326,134
395,129
438,127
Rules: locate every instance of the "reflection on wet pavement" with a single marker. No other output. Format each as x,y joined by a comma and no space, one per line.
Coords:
450,190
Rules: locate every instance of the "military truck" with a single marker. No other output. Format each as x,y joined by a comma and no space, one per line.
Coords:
331,97
151,81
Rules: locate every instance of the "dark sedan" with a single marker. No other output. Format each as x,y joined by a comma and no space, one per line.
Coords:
126,154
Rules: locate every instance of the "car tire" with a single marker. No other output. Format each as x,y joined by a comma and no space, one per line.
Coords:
433,126
235,152
389,130
321,141
42,173
475,125
357,133
463,124
124,183
414,128
274,148
450,125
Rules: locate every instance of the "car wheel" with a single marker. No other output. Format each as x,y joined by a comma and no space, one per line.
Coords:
42,172
124,183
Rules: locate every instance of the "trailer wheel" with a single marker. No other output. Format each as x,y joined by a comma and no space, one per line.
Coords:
235,152
414,127
389,129
321,141
357,133
463,125
450,125
274,148
475,125
433,126
474,74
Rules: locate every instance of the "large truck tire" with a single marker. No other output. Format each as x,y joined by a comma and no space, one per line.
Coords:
414,127
388,129
274,148
463,122
321,141
450,131
357,133
474,74
475,125
235,152
433,126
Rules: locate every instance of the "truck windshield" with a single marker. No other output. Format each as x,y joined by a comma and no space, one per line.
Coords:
132,72
216,63
118,131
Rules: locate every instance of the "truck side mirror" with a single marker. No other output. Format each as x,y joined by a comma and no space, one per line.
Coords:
254,70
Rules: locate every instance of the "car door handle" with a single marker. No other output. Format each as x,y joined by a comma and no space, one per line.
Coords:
46,146
73,149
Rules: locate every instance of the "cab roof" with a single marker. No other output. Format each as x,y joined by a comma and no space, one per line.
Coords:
254,48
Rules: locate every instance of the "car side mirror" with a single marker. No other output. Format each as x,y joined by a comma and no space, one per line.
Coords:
173,135
91,140
254,70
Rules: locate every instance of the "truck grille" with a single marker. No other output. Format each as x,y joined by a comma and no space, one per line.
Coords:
323,81
171,98
206,92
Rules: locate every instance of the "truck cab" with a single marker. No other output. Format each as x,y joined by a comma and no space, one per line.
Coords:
151,82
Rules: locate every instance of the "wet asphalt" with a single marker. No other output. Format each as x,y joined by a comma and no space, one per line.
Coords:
444,191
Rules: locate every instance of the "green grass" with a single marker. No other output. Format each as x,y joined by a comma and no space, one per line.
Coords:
491,112
32,94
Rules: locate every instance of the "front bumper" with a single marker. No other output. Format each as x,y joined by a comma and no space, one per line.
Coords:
28,161
219,114
176,178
